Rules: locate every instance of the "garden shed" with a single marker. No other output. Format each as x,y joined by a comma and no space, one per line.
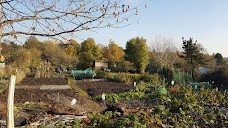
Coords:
100,65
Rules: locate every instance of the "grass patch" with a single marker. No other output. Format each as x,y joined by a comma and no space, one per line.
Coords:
72,83
3,85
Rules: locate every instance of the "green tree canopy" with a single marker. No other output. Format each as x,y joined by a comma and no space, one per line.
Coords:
9,50
219,58
33,42
56,55
22,59
193,54
85,60
76,46
137,52
70,50
89,52
35,58
90,46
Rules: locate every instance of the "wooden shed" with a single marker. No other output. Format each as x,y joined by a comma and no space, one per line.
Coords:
100,65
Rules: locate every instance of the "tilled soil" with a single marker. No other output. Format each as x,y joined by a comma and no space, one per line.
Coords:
60,99
43,81
56,101
36,95
95,88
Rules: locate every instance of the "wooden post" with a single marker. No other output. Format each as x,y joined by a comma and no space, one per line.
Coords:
103,98
10,104
58,96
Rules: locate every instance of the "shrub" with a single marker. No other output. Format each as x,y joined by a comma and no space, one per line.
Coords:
182,78
129,78
2,72
122,77
219,78
5,72
20,75
101,74
152,79
142,87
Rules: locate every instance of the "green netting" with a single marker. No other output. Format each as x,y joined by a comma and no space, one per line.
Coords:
197,85
226,91
77,74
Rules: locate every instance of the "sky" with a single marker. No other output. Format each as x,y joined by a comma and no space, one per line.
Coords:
204,20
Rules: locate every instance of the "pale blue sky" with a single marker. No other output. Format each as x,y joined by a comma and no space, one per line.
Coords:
204,20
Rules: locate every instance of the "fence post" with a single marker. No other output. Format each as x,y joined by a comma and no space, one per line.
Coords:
10,102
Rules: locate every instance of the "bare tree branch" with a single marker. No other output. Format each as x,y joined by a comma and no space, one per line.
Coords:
56,17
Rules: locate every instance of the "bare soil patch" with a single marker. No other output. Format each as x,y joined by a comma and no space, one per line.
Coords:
43,81
95,88
59,101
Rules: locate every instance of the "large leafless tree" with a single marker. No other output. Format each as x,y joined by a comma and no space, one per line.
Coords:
57,17
163,50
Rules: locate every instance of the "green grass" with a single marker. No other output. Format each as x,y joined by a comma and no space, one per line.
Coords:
72,83
3,85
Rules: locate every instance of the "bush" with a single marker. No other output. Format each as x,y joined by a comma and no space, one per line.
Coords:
142,87
182,78
152,79
20,75
5,72
2,72
101,74
219,78
129,78
122,77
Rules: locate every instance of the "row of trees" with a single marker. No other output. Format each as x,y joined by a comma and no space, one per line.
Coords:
82,56
161,57
57,18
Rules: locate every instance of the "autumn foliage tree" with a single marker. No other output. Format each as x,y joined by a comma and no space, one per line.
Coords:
113,52
114,55
56,55
61,18
33,42
76,46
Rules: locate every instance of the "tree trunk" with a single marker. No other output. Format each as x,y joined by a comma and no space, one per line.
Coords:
1,15
192,73
192,70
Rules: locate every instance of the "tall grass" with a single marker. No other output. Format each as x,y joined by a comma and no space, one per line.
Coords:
8,70
182,78
20,75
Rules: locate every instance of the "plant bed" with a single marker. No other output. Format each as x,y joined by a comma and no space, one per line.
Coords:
95,88
43,81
